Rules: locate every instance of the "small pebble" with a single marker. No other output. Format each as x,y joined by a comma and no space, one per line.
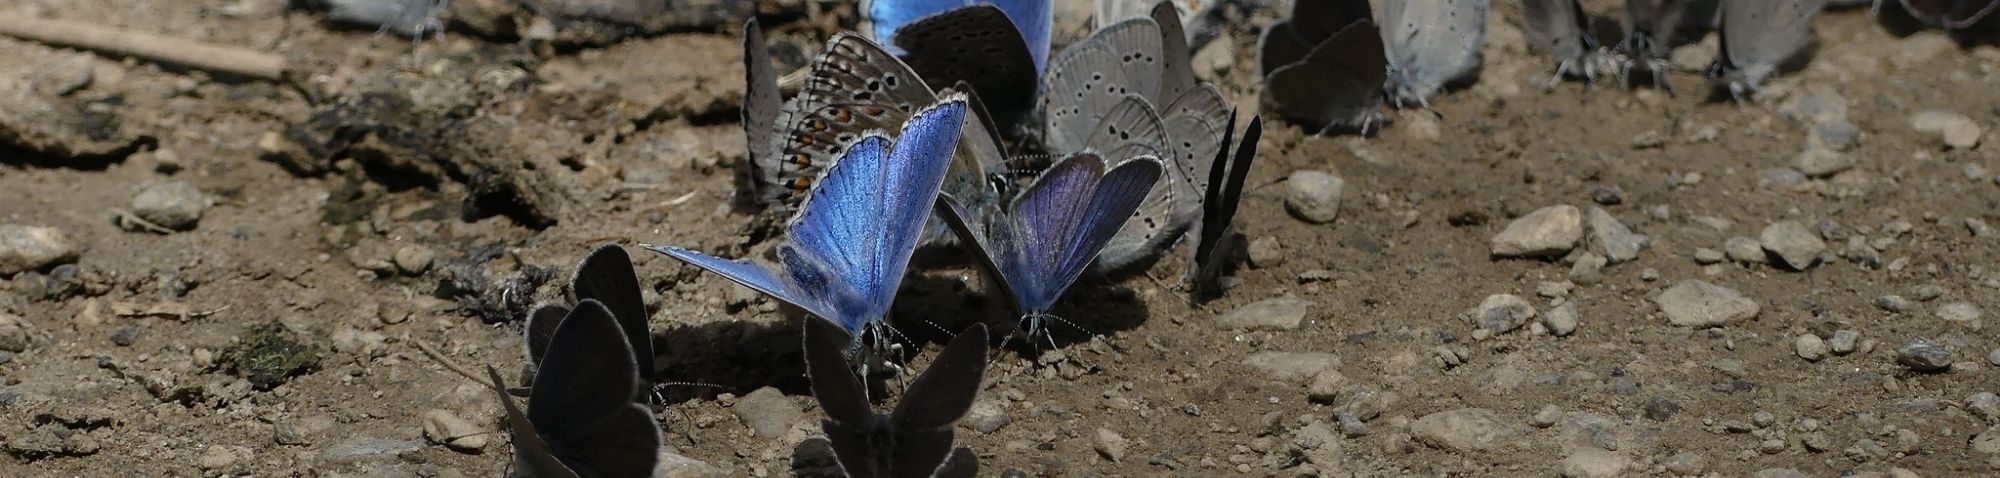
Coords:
446,428
1110,445
1960,312
1695,303
1266,252
1810,347
767,412
1313,196
986,416
1978,228
1547,417
1953,129
1894,303
125,336
1562,320
1835,134
1924,356
1928,292
1502,313
1706,256
173,205
1618,242
26,248
1589,269
414,259
1326,385
1549,231
216,457
1984,405
1793,243
1993,357
1843,341
1275,314
1607,195
15,333
1686,463
1820,163
1744,250
1593,462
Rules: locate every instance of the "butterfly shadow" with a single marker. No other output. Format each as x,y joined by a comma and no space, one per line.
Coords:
1898,22
936,305
732,356
813,458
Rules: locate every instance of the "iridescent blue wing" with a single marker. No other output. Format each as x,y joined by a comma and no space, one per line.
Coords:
990,234
756,277
1109,203
864,218
1047,215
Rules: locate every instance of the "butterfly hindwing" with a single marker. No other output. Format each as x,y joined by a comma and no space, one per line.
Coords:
582,400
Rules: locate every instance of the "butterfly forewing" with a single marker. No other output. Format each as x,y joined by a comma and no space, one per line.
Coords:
975,44
582,399
1092,77
761,107
606,275
1337,84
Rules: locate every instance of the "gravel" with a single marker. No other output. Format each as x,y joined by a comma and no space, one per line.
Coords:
986,416
1281,313
1547,232
25,248
1744,250
1291,366
1793,243
16,334
1953,129
1502,313
1924,356
174,205
1110,445
1313,196
1463,430
1593,462
1266,252
1959,312
1561,320
767,412
1618,242
446,428
1810,347
1843,341
1695,303
1820,163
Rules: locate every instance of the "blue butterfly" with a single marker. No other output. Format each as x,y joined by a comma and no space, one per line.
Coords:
1041,241
848,246
948,41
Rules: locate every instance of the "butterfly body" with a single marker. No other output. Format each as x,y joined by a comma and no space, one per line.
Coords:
847,248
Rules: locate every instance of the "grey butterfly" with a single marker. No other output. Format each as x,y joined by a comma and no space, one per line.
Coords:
1324,67
1104,95
1649,33
1948,14
855,87
413,18
1758,38
1431,43
1561,29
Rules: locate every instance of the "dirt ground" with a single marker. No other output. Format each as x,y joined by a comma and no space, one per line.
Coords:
385,198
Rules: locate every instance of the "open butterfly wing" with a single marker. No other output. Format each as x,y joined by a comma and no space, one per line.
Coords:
945,391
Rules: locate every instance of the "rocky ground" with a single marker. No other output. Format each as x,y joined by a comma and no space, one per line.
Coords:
208,276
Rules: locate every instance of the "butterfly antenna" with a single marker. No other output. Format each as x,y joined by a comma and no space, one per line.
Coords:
1163,287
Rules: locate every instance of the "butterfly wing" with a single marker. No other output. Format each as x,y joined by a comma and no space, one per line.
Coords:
1557,28
581,402
1225,193
761,106
854,87
842,396
1070,213
531,454
785,288
1965,13
1338,83
1431,43
1176,58
1757,37
606,275
1315,21
1132,130
865,216
1092,77
935,401
990,233
976,45
540,329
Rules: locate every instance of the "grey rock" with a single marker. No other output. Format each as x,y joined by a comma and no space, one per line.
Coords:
1588,269
1313,196
1984,405
1326,386
1928,292
1686,463
674,465
361,449
1979,228
1618,242
1110,444
1281,313
1266,252
16,334
1562,320
1894,303
986,416
1843,341
767,412
1780,179
1810,347
1593,462
1554,289
1779,472
1820,163
1695,303
1291,366
1549,231
1924,356
1607,195
1993,357
446,428
1987,442
1817,105
1860,253
414,259
1792,242
1546,417
1706,256
1502,313
1952,128
1834,134
1463,430
26,248
174,205
125,336
1960,312
1744,250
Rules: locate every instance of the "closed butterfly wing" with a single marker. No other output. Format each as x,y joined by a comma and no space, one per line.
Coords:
1109,12
854,87
1129,131
1560,29
1431,43
540,329
1950,14
1758,38
1337,85
1195,123
979,45
980,158
1176,58
532,457
581,404
850,419
1032,18
1214,248
606,275
1316,21
935,401
1089,78
761,107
